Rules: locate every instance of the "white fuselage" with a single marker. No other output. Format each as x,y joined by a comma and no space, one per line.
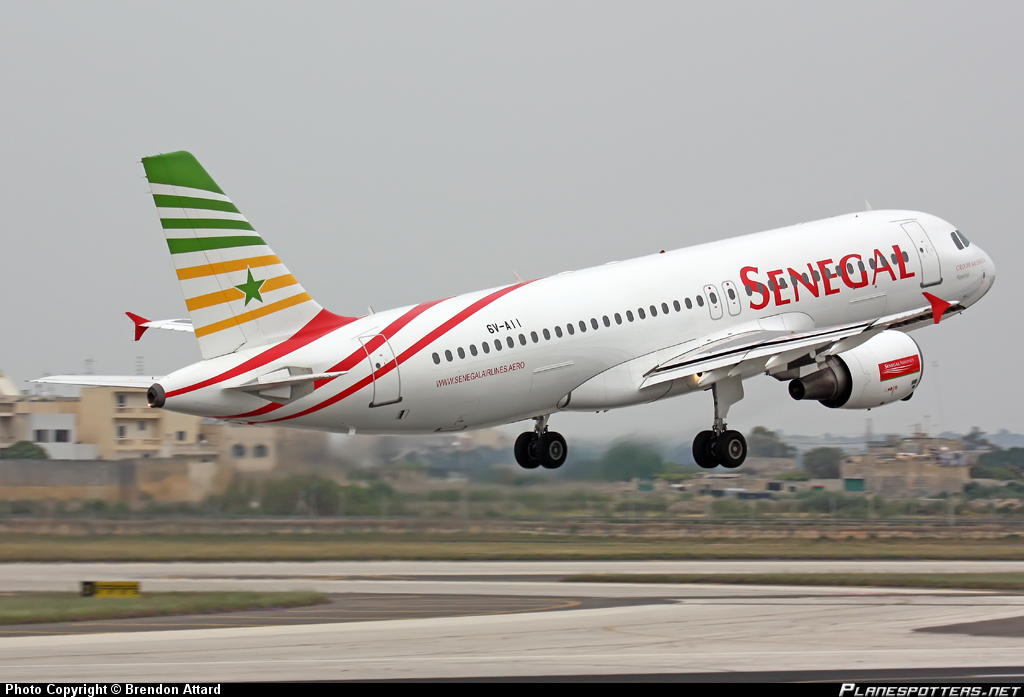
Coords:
424,368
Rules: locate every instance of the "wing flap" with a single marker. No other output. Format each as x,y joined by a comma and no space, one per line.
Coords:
740,351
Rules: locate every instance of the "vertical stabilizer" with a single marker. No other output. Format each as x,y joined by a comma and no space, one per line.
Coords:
238,293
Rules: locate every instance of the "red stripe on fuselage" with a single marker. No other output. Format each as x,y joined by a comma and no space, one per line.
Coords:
324,323
354,358
432,336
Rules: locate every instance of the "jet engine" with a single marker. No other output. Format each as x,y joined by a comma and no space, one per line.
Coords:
882,370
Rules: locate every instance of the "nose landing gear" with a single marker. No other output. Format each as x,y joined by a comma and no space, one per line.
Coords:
540,447
720,446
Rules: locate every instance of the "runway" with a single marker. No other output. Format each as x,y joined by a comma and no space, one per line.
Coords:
485,620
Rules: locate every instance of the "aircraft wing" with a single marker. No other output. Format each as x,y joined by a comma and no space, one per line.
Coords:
772,346
137,381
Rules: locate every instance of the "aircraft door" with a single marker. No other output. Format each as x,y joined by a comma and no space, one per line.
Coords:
732,297
387,384
714,301
931,271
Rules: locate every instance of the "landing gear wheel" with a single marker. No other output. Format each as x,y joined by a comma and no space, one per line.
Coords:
526,450
552,450
702,451
730,449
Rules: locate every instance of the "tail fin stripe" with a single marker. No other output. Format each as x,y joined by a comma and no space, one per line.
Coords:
255,314
206,204
224,296
204,224
169,190
196,214
203,244
222,267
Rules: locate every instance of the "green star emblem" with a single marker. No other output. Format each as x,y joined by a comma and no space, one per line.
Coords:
251,288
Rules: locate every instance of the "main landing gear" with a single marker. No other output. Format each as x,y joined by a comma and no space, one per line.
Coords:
540,447
720,446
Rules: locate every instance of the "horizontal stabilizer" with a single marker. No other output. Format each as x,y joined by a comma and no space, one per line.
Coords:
137,381
287,384
175,325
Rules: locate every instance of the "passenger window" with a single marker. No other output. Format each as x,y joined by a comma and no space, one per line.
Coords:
860,266
732,294
629,315
713,298
606,321
906,257
593,322
448,355
871,263
547,335
676,305
472,349
486,347
664,308
849,268
569,328
497,344
522,340
462,353
817,276
749,291
583,326
654,311
640,313
689,305
558,332
509,341
700,301
533,335
437,359
618,318
893,257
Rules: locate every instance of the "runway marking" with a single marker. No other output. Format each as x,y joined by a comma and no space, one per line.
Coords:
959,652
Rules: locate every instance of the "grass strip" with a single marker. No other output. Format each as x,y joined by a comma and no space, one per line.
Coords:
27,608
26,547
1000,581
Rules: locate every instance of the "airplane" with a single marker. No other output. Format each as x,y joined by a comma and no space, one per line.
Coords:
825,306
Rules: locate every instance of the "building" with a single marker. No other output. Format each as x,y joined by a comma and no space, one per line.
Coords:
919,466
122,426
50,423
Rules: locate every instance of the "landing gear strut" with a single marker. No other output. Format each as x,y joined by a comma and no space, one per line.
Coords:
720,446
540,447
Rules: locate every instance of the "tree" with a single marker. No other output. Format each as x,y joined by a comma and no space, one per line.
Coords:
629,460
975,440
24,450
823,463
764,443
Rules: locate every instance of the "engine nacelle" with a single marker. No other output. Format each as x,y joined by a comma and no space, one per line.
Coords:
882,370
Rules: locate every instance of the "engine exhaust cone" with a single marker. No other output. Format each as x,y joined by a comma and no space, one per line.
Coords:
155,396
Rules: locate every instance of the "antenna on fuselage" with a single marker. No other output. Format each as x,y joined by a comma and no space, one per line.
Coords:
867,206
516,276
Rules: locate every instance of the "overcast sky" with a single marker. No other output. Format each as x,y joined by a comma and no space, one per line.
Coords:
397,152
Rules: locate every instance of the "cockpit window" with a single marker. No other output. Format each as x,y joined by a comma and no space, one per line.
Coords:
967,242
956,240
